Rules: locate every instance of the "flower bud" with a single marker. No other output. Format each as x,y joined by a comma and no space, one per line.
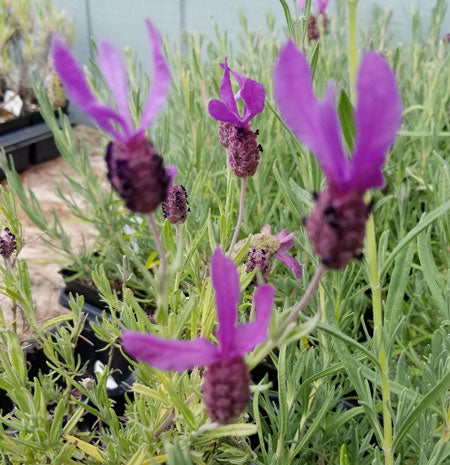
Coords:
336,226
226,390
243,151
7,243
260,258
313,29
175,207
137,173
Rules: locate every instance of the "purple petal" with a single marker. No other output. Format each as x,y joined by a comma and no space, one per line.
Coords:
286,239
378,117
226,91
170,354
290,262
249,335
220,112
113,69
171,172
301,4
160,82
225,280
315,123
321,5
266,229
240,78
78,90
254,97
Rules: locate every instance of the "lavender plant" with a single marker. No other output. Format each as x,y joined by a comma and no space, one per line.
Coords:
331,384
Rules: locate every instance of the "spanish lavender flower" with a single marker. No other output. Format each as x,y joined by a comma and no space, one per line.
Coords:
135,170
264,246
226,380
336,226
7,244
313,20
175,207
235,132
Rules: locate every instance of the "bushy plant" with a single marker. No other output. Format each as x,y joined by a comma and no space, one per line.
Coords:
363,377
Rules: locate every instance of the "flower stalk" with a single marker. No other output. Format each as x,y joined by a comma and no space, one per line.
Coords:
379,341
162,260
373,262
352,46
240,216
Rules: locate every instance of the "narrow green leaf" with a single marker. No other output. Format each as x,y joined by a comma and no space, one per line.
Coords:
345,111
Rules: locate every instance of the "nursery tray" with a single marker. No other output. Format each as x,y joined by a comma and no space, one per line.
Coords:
15,124
36,117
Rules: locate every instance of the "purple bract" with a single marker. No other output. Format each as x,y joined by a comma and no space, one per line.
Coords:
316,123
251,92
115,73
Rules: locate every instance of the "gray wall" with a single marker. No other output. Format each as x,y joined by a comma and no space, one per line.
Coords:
122,21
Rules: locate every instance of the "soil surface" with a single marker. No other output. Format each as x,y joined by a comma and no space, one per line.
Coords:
43,263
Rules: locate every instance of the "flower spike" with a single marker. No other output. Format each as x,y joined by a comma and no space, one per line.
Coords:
224,361
135,170
336,226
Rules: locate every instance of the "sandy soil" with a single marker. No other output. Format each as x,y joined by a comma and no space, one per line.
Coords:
43,263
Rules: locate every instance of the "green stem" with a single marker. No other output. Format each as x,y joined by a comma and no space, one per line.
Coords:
379,342
352,46
373,262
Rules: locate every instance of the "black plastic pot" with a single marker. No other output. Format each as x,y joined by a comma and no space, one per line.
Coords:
93,312
36,116
93,356
76,286
14,124
44,150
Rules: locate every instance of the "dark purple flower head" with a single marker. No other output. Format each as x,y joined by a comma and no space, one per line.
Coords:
264,246
225,366
115,73
175,207
336,224
446,38
250,91
137,173
7,243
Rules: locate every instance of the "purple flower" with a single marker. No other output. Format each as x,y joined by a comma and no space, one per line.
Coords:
264,246
250,91
336,226
175,207
321,5
7,244
225,395
135,170
235,133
